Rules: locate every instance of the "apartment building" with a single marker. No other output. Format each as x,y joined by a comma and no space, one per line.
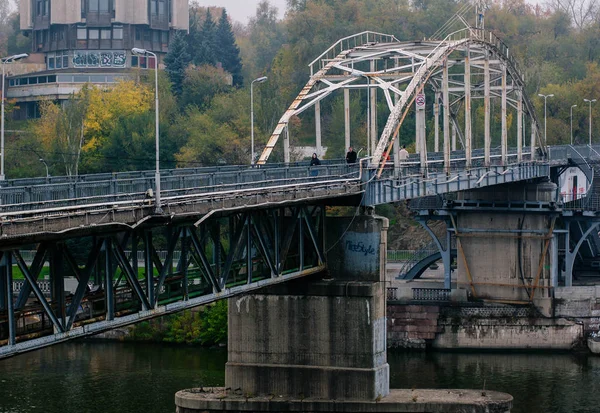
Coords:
74,42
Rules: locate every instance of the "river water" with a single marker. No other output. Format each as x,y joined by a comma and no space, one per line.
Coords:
99,377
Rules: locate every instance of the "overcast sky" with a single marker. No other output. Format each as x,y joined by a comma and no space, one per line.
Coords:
241,10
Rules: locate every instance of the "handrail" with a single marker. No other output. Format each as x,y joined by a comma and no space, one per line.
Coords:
390,38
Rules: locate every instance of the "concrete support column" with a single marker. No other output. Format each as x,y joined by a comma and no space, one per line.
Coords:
446,97
346,119
486,108
468,137
318,142
315,338
504,143
504,256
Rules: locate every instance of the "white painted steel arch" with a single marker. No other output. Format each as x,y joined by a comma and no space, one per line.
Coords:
467,64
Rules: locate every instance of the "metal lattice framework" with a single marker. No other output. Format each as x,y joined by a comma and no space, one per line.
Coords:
469,64
74,287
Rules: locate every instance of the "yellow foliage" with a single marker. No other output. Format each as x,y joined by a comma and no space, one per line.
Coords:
107,105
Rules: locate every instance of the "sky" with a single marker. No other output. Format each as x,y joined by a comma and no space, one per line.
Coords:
241,10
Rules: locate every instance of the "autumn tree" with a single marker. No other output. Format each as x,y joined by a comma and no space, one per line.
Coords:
61,129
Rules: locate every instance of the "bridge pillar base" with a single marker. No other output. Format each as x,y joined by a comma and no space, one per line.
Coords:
318,338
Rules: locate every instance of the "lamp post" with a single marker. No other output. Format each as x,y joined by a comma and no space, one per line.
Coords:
572,106
590,102
46,165
545,100
4,61
258,80
144,52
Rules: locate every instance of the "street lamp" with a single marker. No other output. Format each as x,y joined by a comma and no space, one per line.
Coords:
590,102
545,100
144,52
258,80
572,106
4,61
44,162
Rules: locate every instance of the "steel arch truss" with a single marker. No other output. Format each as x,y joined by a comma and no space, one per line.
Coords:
78,287
468,65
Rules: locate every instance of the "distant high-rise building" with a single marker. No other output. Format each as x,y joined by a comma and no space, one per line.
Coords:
74,42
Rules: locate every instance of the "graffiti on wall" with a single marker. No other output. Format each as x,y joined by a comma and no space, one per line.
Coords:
85,58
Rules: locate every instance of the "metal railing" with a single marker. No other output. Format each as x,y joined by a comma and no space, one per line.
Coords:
347,43
124,188
431,294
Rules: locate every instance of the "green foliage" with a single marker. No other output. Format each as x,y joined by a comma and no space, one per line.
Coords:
228,51
176,61
207,327
201,84
206,48
213,327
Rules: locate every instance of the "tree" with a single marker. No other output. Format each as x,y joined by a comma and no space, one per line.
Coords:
176,61
201,84
206,48
229,52
62,129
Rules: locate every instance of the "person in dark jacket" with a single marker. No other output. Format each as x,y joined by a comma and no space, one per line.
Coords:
315,161
351,155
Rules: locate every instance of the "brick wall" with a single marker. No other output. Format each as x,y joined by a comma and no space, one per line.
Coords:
420,326
411,326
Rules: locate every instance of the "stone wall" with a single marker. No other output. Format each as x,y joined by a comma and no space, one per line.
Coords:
582,303
411,326
421,326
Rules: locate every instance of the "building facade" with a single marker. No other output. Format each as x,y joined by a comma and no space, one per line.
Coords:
76,42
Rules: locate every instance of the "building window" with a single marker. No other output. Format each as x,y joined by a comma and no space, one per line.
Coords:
161,8
143,62
81,33
83,9
105,34
58,60
153,7
138,33
165,37
46,7
38,7
118,33
104,6
93,34
147,35
155,36
93,6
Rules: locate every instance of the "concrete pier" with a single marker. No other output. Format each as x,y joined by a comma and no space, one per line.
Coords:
318,338
319,344
211,400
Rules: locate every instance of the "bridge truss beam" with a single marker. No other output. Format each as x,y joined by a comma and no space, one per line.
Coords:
103,281
468,66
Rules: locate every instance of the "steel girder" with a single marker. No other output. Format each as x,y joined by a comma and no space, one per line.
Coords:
97,283
477,65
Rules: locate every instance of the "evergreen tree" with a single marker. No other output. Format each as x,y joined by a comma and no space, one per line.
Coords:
176,61
207,45
229,52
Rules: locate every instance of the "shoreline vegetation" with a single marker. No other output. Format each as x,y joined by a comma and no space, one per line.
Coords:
204,326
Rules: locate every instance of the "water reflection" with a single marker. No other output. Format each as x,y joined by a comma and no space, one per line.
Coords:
105,377
540,383
126,377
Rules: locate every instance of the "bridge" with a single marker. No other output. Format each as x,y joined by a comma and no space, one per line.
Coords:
238,229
